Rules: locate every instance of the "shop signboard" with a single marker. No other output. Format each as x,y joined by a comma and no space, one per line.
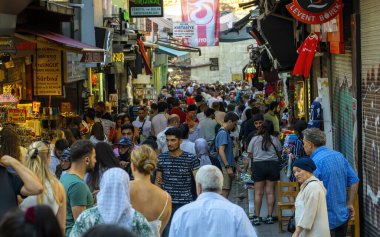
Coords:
75,71
146,8
237,77
48,80
315,11
16,116
205,14
184,30
66,107
36,106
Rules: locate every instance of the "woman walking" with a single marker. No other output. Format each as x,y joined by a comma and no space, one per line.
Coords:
264,148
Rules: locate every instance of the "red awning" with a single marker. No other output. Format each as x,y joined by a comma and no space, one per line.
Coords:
91,54
148,70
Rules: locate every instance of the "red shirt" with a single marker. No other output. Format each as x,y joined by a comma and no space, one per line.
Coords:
180,113
190,101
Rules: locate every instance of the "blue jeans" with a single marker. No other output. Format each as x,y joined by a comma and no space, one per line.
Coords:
175,207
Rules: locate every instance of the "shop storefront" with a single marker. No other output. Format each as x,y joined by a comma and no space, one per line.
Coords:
370,84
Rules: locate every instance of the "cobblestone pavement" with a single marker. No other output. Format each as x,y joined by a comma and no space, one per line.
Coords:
263,230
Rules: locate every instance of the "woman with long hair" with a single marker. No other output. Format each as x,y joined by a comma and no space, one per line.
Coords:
154,203
37,160
105,159
263,149
97,133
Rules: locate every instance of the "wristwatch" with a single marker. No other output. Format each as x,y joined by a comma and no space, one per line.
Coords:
227,166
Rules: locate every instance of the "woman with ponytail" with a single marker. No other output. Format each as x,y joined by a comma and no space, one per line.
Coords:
37,159
154,203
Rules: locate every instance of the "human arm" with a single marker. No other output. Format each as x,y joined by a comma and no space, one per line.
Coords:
61,214
31,186
77,210
353,184
312,195
158,180
166,216
78,196
297,232
224,160
352,193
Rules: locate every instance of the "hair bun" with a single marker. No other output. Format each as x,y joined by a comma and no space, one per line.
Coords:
149,166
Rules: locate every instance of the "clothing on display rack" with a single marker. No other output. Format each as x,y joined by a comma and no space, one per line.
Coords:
306,55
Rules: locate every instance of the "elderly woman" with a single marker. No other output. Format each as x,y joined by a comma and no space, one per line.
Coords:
202,153
311,208
113,207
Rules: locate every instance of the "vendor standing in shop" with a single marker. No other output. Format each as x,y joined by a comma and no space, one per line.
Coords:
271,115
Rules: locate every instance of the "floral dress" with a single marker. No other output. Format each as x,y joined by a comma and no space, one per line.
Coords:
92,217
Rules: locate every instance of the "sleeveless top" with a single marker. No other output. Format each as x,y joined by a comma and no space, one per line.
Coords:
49,200
156,224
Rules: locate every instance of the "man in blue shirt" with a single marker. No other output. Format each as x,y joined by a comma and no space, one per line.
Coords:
337,175
224,144
211,214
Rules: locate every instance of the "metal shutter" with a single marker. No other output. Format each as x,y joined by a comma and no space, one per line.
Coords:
342,104
370,54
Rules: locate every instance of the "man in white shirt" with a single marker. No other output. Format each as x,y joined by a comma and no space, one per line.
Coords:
142,124
159,122
211,214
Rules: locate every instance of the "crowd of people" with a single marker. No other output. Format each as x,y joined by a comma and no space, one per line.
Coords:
167,169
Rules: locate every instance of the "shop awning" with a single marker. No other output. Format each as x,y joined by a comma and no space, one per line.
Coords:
91,54
163,22
180,55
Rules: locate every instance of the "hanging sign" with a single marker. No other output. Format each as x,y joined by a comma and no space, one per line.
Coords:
36,106
66,107
315,11
146,8
205,14
184,29
48,79
16,116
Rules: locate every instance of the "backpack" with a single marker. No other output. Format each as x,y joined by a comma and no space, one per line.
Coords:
213,151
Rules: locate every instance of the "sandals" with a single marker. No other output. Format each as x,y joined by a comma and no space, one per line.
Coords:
256,220
269,220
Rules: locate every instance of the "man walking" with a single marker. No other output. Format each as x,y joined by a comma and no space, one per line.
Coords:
223,218
142,125
78,195
224,145
337,175
173,121
175,170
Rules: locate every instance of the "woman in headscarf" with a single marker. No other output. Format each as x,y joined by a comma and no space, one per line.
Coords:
201,150
311,209
113,207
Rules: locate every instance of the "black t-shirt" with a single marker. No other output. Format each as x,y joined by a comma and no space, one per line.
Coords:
177,173
11,186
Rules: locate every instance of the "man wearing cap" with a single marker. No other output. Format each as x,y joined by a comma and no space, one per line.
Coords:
125,146
337,176
65,163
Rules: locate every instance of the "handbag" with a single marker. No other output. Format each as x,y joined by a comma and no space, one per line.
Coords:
292,224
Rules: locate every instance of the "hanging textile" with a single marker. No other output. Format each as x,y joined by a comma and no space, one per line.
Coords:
306,55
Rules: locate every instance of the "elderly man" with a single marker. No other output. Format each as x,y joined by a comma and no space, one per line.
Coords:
337,175
211,214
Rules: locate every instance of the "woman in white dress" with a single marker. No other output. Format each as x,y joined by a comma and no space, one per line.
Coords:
37,159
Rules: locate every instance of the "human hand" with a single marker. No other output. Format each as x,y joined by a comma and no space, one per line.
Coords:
6,161
295,234
352,212
230,172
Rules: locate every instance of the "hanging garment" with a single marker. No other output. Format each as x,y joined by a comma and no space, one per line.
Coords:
306,55
316,116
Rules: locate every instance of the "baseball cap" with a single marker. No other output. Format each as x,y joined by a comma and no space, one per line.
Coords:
66,155
125,142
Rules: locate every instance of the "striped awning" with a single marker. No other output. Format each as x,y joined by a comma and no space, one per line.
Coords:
180,55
